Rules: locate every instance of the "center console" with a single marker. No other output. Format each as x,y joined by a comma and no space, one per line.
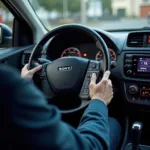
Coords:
136,90
137,70
136,136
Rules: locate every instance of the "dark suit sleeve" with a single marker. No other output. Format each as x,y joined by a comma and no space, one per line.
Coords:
34,124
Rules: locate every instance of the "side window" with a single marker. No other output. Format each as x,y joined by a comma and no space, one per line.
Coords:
6,25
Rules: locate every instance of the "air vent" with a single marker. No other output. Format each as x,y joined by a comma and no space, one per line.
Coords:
26,57
135,40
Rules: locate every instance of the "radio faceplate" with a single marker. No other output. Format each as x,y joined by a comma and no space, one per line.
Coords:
137,65
138,92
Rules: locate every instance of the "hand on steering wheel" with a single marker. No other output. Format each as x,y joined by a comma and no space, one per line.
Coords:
102,90
28,74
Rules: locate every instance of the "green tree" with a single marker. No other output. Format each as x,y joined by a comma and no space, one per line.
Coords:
51,4
73,5
107,5
2,6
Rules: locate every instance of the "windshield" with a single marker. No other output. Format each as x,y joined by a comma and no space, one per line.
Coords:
102,14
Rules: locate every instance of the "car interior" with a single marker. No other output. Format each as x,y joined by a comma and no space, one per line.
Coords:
64,80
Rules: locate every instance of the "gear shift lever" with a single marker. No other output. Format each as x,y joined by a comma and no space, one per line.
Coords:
136,135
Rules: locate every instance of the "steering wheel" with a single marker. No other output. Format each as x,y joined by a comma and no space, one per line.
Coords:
70,76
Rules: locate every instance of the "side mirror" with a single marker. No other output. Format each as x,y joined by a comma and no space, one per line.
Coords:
5,36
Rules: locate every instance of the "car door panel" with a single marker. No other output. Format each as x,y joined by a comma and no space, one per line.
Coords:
13,56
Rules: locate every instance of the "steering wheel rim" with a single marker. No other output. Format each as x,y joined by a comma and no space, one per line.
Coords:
65,28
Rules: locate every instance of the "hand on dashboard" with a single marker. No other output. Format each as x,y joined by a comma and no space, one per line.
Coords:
102,90
28,74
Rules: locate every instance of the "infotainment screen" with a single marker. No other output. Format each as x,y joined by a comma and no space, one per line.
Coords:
143,65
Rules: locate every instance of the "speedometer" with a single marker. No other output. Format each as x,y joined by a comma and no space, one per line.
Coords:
71,52
99,55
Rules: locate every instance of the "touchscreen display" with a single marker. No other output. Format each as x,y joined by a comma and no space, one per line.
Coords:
143,64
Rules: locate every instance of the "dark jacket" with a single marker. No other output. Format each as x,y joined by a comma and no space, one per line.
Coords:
28,122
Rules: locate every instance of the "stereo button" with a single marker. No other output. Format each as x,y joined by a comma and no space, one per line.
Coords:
129,72
128,61
128,66
129,56
133,89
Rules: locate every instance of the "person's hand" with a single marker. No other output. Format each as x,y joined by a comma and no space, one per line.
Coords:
28,74
102,90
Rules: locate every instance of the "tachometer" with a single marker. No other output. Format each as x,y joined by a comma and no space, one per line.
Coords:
112,55
99,55
71,52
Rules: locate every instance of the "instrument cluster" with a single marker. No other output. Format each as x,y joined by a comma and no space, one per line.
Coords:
75,52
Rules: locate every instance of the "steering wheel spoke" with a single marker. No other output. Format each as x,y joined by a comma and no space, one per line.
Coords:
49,94
94,67
43,72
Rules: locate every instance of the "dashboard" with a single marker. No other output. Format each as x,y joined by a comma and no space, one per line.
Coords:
129,50
93,54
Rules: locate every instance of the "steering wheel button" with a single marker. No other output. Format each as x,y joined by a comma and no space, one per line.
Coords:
42,76
97,66
87,83
90,69
89,75
94,65
86,87
86,92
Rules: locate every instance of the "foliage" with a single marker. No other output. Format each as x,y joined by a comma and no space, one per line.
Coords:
73,5
107,5
3,7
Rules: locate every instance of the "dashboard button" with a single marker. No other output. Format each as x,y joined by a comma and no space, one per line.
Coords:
129,72
133,89
128,61
128,66
129,56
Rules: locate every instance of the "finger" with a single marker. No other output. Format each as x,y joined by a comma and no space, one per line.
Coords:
25,67
110,83
93,78
106,75
36,69
111,95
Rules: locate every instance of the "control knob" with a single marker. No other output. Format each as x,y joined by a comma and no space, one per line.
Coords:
129,72
133,89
